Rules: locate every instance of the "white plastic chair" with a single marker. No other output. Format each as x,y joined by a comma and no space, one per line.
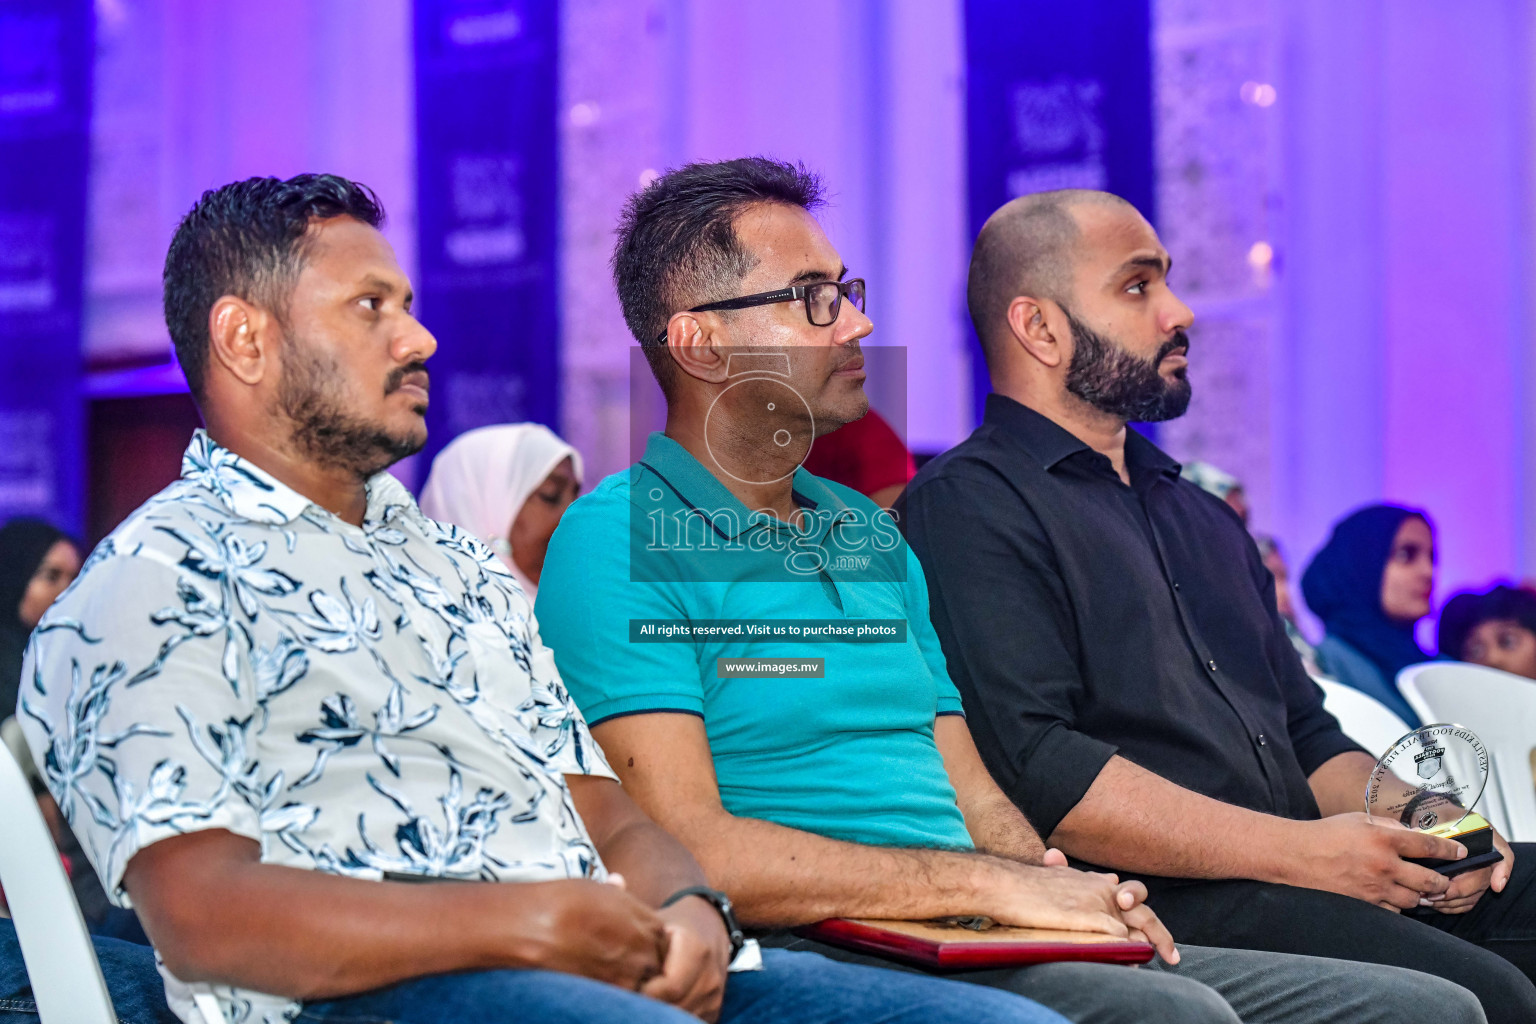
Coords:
1501,709
55,945
61,963
1363,718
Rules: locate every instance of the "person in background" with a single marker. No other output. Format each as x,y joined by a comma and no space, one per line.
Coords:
866,455
1370,585
508,485
1496,629
1274,561
1223,485
37,561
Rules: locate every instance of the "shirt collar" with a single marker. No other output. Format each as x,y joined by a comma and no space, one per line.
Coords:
251,493
1144,455
698,488
1050,443
388,498
1041,437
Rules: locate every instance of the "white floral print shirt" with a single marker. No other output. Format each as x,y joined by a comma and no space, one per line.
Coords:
361,702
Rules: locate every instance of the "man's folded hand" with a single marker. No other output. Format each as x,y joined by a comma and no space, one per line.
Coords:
595,930
1467,888
698,953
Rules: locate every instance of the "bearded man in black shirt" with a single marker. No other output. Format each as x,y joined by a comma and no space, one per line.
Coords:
1113,633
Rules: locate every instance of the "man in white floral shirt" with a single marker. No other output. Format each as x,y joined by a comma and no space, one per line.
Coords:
289,715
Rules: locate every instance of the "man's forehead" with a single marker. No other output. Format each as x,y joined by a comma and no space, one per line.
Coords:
786,241
344,248
1114,234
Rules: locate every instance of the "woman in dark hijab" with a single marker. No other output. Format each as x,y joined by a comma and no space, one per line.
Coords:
37,561
1371,584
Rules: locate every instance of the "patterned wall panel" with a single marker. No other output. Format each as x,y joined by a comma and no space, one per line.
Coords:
1218,203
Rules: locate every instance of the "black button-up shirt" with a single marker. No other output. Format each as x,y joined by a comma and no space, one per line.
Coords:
1083,618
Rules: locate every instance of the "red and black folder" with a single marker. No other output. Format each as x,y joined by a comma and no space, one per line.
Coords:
945,945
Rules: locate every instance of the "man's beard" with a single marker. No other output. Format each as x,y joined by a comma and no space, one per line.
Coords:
1116,382
323,430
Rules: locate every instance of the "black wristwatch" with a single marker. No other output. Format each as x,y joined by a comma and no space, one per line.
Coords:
722,904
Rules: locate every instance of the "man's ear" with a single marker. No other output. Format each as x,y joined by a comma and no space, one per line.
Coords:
696,347
1029,320
242,339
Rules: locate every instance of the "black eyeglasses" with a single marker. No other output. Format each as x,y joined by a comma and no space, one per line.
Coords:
823,301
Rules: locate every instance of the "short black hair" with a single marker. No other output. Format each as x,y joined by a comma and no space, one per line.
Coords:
248,239
677,245
1466,611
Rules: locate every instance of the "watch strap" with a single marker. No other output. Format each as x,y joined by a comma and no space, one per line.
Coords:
722,904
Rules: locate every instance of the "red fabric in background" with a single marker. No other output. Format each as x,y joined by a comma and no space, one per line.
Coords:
866,455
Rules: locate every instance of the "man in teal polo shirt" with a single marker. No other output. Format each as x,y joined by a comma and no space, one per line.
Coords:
752,648
779,766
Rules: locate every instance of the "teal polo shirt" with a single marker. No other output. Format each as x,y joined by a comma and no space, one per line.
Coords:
850,755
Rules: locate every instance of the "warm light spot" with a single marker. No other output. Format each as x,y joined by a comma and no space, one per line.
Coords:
584,114
1260,94
1260,255
648,175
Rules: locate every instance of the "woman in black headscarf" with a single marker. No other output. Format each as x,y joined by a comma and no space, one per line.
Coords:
1371,584
37,561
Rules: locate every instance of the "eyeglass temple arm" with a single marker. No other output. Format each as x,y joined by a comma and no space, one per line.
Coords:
761,299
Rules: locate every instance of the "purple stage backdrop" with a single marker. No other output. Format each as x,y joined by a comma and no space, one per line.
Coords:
487,77
1058,95
45,95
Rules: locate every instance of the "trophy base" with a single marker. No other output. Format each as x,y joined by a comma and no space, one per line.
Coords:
1475,834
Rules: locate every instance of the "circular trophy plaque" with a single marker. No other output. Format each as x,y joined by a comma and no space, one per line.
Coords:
1430,779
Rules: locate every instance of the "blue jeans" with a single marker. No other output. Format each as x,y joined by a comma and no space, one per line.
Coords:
796,988
138,993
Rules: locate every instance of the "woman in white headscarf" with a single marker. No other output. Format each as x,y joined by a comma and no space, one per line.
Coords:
508,485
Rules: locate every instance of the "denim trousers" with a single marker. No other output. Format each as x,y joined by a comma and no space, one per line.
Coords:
138,993
794,988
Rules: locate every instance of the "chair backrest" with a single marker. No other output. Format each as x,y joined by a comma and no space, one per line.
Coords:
1501,709
1363,718
61,963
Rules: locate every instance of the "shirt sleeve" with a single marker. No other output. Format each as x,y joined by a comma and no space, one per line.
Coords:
138,707
1315,734
585,603
920,622
1000,609
576,752
556,723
